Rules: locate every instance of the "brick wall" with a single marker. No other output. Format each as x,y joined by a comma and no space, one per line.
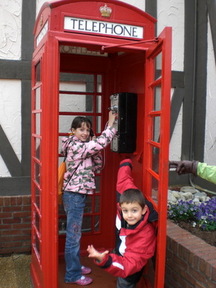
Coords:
15,224
191,262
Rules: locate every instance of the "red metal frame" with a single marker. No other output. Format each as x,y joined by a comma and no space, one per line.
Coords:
139,58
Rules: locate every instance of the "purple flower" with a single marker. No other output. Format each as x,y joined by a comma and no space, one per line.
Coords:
204,214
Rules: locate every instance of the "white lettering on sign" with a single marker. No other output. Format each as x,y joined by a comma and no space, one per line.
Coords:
107,28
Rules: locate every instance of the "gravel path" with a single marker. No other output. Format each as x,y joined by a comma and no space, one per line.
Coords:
15,271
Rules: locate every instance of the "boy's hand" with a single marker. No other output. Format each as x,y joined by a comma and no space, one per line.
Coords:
93,253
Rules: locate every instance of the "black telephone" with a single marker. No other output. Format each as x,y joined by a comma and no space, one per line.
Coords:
125,105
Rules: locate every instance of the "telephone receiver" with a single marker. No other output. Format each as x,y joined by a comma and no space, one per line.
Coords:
114,109
124,104
91,133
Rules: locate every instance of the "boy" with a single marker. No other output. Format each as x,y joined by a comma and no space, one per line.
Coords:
136,238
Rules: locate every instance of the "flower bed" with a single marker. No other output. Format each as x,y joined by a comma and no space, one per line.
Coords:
202,215
194,211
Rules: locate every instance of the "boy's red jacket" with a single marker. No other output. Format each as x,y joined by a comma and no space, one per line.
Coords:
136,244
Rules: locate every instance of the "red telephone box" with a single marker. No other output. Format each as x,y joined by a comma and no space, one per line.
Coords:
84,52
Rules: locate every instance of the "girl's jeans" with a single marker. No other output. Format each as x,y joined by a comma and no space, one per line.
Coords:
74,204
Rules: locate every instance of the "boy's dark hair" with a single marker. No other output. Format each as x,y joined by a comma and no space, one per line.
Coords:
131,196
77,122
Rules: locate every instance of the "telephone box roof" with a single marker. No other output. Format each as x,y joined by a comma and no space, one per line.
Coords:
91,8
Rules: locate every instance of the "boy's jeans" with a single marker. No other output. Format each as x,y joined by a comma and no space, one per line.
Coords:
74,204
123,283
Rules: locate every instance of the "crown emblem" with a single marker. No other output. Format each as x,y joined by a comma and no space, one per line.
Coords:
41,21
105,11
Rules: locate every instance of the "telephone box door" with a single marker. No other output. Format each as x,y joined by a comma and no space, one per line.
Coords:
156,141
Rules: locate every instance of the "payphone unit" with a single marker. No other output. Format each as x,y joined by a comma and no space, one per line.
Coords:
125,105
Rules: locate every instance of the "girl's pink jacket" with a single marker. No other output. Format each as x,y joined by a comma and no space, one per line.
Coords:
87,158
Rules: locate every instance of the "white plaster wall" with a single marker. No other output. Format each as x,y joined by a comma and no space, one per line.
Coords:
210,131
10,117
176,140
10,29
39,4
171,13
137,3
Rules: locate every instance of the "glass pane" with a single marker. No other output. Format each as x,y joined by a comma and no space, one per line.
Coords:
37,148
86,226
155,159
156,129
97,182
155,190
158,66
98,124
60,149
98,104
37,221
72,86
38,98
77,82
99,84
96,223
157,98
61,210
62,219
60,160
97,204
37,173
89,103
37,122
37,246
38,72
65,122
37,196
88,206
75,103
62,224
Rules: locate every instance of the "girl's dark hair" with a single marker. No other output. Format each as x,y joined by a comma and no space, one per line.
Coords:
77,122
131,196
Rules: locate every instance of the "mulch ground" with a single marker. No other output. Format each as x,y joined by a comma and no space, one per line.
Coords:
207,236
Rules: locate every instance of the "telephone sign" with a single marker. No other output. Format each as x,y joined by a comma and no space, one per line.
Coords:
101,27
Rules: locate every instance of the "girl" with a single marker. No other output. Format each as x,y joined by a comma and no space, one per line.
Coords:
84,160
